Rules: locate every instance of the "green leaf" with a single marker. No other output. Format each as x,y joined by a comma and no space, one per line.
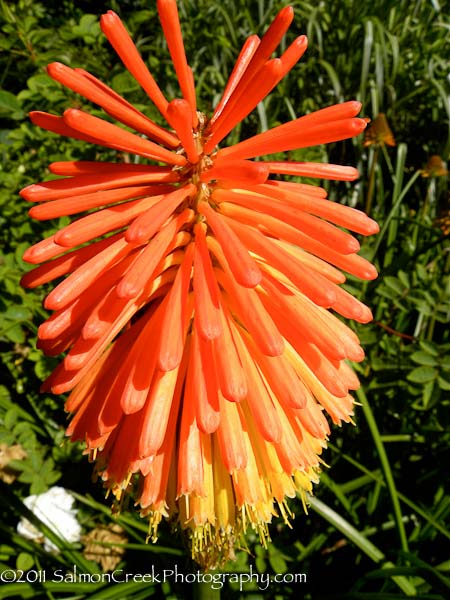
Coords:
422,375
18,313
10,418
423,358
444,384
277,561
385,465
429,347
15,334
428,389
395,284
4,393
10,106
445,362
124,83
260,560
24,561
358,539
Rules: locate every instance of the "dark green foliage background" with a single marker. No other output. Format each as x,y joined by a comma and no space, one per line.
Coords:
378,524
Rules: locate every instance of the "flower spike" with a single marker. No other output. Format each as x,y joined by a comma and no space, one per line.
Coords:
197,290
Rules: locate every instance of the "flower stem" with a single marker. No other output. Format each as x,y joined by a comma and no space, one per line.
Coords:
385,465
371,186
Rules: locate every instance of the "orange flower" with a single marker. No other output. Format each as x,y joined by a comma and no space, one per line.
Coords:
379,132
202,348
435,167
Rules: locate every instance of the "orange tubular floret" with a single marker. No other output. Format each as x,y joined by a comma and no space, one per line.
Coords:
149,222
317,288
76,204
206,293
304,319
101,317
289,451
137,381
228,366
236,172
131,117
312,419
352,263
110,305
109,410
82,427
259,87
104,300
308,224
145,266
122,43
165,389
119,138
348,376
61,344
43,250
120,457
243,267
202,383
64,264
320,170
102,86
103,221
351,308
293,54
84,353
249,308
62,320
171,345
86,184
137,388
245,56
168,16
297,335
132,397
179,114
345,216
57,125
322,368
268,44
92,167
316,264
306,188
343,303
230,436
190,461
281,377
259,398
156,480
86,274
78,397
320,127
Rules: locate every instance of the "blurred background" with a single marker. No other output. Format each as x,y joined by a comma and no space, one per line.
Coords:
378,525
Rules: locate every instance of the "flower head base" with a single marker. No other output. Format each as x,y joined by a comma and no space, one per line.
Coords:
202,351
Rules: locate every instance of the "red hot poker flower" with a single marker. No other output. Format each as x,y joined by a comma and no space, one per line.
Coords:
197,300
